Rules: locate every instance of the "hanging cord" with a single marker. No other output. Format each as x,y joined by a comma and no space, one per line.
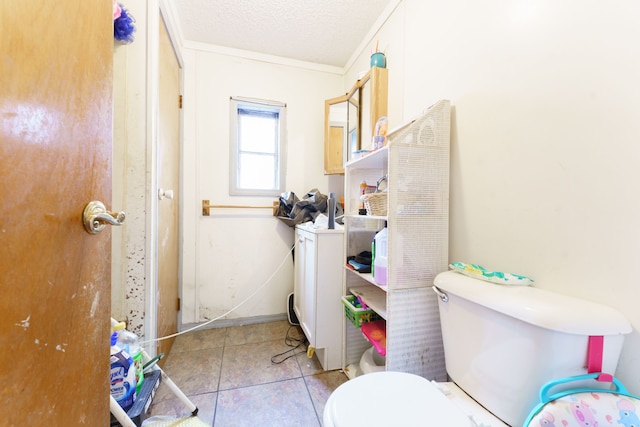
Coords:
292,342
284,259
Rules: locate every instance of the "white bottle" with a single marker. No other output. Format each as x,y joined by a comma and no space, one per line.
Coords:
380,257
122,376
129,342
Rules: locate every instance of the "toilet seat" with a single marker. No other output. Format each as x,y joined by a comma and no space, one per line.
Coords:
391,398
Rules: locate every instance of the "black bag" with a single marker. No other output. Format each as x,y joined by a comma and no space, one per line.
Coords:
293,211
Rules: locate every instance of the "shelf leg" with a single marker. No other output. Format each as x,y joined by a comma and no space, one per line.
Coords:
120,414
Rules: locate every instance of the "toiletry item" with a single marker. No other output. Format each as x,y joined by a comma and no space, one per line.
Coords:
378,60
380,261
331,203
363,190
373,257
380,133
129,342
122,375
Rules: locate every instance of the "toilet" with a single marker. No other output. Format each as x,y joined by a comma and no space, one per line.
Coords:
502,344
372,361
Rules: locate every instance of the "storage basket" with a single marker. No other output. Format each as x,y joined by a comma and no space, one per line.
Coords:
357,315
375,203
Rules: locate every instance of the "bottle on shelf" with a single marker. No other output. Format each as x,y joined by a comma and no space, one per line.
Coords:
363,190
379,256
129,342
122,375
331,207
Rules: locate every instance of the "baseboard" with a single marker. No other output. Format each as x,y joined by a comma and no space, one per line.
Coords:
226,323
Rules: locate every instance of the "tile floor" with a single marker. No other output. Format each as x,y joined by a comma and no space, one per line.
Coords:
228,374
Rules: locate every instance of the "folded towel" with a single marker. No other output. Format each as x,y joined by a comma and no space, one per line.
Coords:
360,268
479,272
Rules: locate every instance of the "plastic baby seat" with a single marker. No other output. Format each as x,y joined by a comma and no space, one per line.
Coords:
582,407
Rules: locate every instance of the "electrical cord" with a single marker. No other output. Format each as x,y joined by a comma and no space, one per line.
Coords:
291,342
284,259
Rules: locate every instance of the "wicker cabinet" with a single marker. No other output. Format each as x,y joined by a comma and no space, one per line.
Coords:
416,164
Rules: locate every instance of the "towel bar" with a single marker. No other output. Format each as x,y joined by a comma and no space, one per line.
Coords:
206,207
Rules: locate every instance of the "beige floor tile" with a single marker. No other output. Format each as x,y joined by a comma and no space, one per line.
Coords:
321,386
228,373
308,366
205,403
280,404
194,372
260,332
250,364
199,339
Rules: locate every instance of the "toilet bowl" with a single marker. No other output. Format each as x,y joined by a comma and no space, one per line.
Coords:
401,399
372,361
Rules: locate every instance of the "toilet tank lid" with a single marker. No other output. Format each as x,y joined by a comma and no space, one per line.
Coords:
537,306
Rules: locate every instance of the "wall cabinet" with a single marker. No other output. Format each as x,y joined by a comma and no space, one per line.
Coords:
349,120
318,289
416,163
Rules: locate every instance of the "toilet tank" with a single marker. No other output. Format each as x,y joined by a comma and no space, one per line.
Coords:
502,343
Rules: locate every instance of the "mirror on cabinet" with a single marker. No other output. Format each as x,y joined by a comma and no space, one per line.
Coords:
349,120
373,97
353,140
341,131
336,131
365,116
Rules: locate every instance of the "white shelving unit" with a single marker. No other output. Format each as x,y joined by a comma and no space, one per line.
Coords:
416,163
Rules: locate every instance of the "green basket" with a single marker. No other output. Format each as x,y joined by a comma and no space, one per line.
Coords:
357,315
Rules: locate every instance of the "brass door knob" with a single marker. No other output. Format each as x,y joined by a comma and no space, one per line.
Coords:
96,217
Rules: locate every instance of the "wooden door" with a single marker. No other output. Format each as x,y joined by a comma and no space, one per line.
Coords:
168,180
55,157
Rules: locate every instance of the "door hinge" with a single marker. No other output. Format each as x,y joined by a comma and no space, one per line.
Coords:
180,102
178,304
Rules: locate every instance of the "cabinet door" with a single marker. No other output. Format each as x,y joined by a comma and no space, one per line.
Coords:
309,302
298,279
305,284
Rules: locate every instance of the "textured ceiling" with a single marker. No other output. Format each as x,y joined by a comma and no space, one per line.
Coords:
323,31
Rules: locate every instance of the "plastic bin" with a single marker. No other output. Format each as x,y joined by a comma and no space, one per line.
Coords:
357,315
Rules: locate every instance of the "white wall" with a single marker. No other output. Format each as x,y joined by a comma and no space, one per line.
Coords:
545,152
544,148
232,253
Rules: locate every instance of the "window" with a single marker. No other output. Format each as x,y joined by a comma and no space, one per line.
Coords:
257,147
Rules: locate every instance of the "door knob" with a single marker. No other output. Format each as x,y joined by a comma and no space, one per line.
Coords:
96,217
165,194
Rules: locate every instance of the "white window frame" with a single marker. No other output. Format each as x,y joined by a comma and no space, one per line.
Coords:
236,104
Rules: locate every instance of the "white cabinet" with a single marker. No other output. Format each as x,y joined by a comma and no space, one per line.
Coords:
317,291
416,163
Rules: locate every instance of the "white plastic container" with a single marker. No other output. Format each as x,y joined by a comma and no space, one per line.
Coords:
380,260
122,376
